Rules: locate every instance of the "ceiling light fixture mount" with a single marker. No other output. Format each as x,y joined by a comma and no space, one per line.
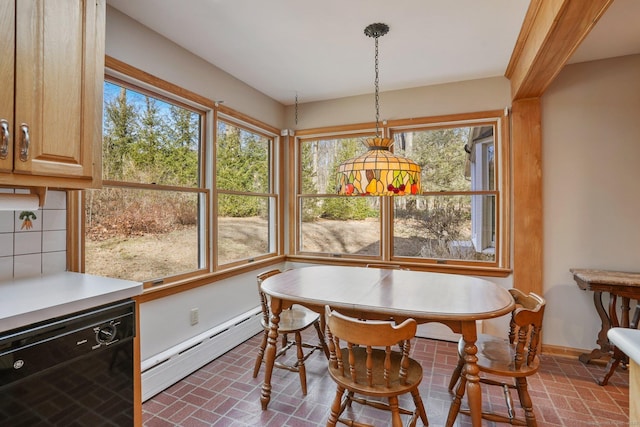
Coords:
378,172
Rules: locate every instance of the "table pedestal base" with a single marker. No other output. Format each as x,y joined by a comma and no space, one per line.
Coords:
609,319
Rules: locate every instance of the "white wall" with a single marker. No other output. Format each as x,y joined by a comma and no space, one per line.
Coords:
166,322
591,182
136,45
461,97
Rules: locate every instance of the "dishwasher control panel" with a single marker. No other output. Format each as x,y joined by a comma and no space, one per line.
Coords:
36,348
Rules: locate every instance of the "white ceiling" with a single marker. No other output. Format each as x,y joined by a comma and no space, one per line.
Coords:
318,50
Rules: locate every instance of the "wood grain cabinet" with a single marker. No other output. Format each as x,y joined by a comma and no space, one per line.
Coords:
51,83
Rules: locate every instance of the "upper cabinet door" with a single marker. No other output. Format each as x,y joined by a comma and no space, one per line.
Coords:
59,63
7,49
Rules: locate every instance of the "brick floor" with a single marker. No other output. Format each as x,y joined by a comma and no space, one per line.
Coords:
224,393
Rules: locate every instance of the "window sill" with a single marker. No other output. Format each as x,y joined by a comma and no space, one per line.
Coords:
161,291
436,268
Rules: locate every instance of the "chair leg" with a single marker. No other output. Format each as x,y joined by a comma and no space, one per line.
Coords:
417,400
323,342
457,401
612,365
300,365
396,421
335,408
260,356
525,402
456,374
350,395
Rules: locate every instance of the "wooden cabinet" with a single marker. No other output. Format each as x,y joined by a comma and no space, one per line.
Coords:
51,83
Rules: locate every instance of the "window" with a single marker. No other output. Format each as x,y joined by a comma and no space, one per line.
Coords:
330,224
246,200
454,222
147,223
189,187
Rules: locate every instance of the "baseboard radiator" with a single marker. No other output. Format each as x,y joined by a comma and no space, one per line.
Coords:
165,369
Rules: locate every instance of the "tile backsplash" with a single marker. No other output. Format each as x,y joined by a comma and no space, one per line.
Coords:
36,248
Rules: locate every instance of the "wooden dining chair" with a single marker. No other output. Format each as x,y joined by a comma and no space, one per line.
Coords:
292,322
362,363
514,358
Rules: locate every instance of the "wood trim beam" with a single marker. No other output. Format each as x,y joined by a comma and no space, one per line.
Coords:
551,32
527,198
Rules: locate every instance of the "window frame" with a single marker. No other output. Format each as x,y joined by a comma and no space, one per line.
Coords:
152,89
501,265
274,225
141,81
299,196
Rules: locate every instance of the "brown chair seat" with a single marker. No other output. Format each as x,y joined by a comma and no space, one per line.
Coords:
497,356
378,388
515,358
292,321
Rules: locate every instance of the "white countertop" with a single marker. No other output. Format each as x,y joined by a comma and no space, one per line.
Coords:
627,340
34,299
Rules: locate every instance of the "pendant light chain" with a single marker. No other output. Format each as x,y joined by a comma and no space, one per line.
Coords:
378,172
377,92
376,31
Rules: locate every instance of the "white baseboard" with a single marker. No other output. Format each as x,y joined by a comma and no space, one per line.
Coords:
170,366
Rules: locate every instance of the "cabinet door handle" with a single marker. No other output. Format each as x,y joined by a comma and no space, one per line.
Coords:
24,143
4,146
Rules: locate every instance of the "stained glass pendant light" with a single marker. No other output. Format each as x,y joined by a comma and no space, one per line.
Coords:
378,172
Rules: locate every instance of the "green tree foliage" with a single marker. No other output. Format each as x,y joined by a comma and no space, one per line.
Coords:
441,155
120,134
242,164
150,141
311,207
346,208
181,147
146,156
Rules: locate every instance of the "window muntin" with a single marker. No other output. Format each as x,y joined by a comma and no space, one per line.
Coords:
328,224
454,221
148,222
246,203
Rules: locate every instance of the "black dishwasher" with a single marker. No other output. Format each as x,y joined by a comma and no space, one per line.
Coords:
75,370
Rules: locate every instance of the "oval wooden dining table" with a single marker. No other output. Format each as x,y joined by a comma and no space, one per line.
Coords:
371,293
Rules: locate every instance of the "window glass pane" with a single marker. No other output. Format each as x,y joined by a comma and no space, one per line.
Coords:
320,160
447,156
242,159
340,225
243,227
148,140
141,235
445,227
